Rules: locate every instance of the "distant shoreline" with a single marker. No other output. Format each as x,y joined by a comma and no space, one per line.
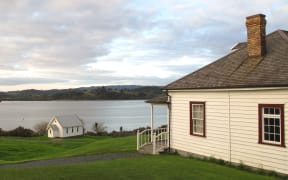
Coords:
90,93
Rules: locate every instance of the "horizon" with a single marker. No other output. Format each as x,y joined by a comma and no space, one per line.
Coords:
83,87
54,44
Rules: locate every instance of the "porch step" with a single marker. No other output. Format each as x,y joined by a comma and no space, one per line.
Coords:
148,149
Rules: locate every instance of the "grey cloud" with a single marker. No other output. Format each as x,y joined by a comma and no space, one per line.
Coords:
57,39
22,80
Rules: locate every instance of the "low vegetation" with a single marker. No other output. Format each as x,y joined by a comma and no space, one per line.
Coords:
19,131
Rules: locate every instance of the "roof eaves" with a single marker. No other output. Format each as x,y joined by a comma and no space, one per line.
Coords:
50,122
232,87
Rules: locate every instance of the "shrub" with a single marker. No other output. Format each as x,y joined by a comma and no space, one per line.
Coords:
99,128
20,131
40,128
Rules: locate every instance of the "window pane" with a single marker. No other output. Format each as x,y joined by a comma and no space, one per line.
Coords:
266,110
277,111
266,136
266,121
271,129
271,110
201,114
196,108
194,129
277,130
198,122
266,128
197,126
277,138
277,122
271,121
196,114
198,129
201,108
271,137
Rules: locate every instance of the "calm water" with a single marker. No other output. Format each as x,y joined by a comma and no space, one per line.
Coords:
129,114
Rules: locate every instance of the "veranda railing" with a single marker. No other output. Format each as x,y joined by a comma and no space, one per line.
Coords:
158,138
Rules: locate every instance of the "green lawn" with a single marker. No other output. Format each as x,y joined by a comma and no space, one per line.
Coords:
16,149
146,167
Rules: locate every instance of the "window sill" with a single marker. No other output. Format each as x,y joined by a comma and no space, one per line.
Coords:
271,144
198,135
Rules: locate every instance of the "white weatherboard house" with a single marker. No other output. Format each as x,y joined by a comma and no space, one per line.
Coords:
65,126
236,108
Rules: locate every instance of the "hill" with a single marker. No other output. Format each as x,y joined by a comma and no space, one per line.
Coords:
118,92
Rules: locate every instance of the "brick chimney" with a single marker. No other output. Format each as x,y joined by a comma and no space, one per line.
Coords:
256,33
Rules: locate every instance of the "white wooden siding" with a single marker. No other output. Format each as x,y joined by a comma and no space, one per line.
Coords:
243,127
214,144
74,133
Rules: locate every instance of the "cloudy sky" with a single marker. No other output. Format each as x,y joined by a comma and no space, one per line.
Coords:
47,44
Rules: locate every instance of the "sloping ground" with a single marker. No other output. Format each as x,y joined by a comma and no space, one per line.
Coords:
16,149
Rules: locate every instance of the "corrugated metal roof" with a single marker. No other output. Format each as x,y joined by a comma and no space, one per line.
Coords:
69,120
159,100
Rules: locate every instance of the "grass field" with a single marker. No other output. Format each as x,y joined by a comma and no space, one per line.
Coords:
145,167
17,149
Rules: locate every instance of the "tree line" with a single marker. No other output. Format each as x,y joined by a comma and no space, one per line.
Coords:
91,93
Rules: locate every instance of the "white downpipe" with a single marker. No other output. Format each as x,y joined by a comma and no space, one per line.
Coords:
168,123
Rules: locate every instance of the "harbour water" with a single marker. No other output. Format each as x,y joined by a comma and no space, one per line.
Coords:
130,114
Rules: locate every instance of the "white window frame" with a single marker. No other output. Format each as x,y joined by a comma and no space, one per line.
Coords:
271,115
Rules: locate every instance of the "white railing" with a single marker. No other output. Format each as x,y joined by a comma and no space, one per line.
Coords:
158,138
160,141
143,138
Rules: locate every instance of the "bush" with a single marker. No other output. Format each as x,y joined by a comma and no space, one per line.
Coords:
19,131
40,128
90,133
99,129
122,133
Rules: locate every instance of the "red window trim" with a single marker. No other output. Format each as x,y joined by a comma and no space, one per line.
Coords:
204,119
260,138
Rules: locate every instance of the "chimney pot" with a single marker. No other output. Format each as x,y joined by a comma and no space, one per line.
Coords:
256,33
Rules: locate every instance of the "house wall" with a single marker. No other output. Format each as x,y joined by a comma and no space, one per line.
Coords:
231,127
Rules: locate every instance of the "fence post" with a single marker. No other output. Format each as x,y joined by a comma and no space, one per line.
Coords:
138,139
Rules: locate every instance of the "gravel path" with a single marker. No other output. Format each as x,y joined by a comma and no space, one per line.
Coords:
73,160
